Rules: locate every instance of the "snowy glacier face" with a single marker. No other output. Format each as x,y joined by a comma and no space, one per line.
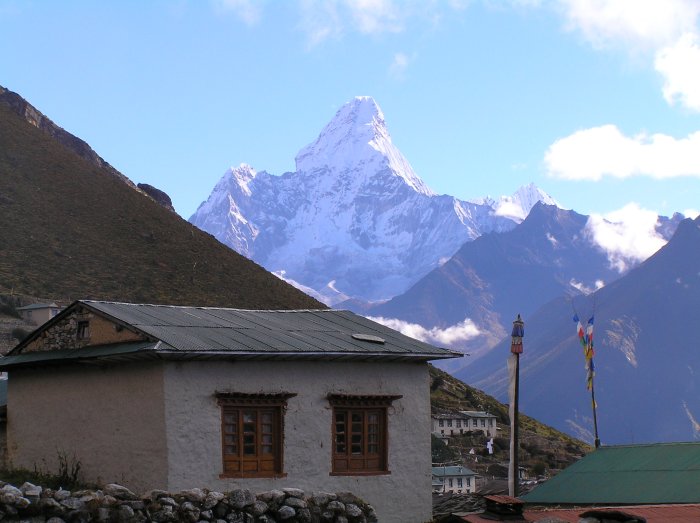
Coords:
354,219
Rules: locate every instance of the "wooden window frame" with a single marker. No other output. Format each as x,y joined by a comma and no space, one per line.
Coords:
245,421
359,428
83,330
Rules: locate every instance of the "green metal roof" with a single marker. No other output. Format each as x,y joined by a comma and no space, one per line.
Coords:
205,332
631,474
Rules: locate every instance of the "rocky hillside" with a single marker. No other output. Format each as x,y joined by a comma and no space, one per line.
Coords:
543,450
70,228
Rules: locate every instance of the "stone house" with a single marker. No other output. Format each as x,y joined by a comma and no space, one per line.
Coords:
167,397
454,479
455,423
38,313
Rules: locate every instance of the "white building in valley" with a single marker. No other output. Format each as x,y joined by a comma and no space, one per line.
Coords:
454,479
456,423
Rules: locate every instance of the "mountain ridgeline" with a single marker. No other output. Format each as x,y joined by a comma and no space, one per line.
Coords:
72,229
354,220
356,227
647,380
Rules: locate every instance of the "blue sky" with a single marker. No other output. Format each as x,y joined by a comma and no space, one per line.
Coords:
595,101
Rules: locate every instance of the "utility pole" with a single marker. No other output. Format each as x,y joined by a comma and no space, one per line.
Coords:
516,349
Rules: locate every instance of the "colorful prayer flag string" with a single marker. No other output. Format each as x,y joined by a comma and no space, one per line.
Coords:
585,336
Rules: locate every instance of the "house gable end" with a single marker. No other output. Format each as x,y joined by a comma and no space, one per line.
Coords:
78,327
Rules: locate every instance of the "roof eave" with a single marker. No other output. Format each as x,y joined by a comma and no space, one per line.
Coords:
159,352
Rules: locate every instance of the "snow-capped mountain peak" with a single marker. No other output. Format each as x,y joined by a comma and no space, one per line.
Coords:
354,213
357,142
242,175
519,204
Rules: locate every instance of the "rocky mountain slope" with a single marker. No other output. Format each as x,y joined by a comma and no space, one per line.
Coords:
542,447
354,220
646,359
497,276
70,228
33,116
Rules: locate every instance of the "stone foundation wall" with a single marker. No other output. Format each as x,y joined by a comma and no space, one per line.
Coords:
115,503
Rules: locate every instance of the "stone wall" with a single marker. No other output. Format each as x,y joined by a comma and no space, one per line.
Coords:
64,333
115,503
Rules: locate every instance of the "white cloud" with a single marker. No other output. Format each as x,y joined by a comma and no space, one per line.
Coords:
691,213
628,235
668,28
680,66
450,336
590,154
583,288
398,65
249,11
323,19
375,16
646,24
510,209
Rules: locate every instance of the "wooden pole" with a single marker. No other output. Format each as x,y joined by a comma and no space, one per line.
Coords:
516,348
595,416
514,430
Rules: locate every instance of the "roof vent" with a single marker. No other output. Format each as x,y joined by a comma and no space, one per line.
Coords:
369,337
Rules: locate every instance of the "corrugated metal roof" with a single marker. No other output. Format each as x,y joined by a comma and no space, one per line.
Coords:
194,329
210,332
477,414
452,470
35,306
630,474
113,351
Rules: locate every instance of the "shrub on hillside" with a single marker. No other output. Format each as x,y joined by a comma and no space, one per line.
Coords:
20,333
8,308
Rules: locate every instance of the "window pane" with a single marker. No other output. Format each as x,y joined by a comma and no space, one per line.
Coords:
250,440
356,446
340,443
359,436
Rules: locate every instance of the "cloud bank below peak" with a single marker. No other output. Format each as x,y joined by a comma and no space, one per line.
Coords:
627,236
453,336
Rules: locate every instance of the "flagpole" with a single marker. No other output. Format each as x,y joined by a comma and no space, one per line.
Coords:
595,416
516,348
586,339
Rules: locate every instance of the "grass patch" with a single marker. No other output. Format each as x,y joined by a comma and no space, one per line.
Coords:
68,476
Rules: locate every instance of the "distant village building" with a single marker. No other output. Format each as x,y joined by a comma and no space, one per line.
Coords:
38,313
171,398
454,479
456,423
